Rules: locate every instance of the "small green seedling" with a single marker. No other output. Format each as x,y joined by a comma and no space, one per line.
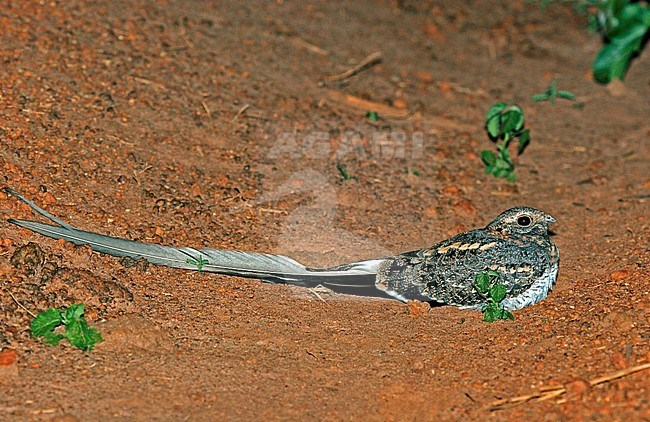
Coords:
412,171
198,264
553,93
494,293
373,116
77,331
504,123
344,173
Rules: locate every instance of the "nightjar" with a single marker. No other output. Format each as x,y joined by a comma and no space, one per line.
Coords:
516,245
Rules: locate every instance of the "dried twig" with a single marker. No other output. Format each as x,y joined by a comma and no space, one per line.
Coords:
550,392
365,64
26,110
311,47
271,210
240,112
314,291
619,374
150,83
184,36
206,108
21,305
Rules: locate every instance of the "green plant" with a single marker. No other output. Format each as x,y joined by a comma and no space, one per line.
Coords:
373,116
77,331
199,264
494,293
412,171
504,123
624,25
552,93
344,173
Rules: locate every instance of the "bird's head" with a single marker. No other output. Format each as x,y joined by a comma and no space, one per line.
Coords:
520,221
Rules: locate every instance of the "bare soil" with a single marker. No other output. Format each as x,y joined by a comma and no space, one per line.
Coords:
194,124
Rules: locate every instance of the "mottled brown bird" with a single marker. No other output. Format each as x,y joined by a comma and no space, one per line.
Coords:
516,244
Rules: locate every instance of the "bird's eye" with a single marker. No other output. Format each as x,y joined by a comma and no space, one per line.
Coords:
524,221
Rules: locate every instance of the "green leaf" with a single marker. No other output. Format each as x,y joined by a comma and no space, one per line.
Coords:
494,111
482,282
493,127
492,313
344,173
510,177
625,39
498,293
524,140
540,97
373,116
567,95
613,59
627,16
519,111
493,274
51,338
73,312
46,322
488,157
512,120
81,335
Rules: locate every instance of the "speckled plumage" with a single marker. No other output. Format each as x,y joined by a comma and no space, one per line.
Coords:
525,256
516,244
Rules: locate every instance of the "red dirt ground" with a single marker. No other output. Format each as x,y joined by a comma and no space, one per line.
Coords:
190,124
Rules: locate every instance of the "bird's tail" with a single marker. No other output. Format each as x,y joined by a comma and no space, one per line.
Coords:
356,279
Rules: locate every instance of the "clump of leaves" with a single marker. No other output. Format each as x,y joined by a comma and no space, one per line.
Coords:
76,330
504,123
197,263
552,93
624,25
487,284
373,116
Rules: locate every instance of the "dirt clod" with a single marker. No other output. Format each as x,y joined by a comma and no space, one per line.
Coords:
28,258
66,286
